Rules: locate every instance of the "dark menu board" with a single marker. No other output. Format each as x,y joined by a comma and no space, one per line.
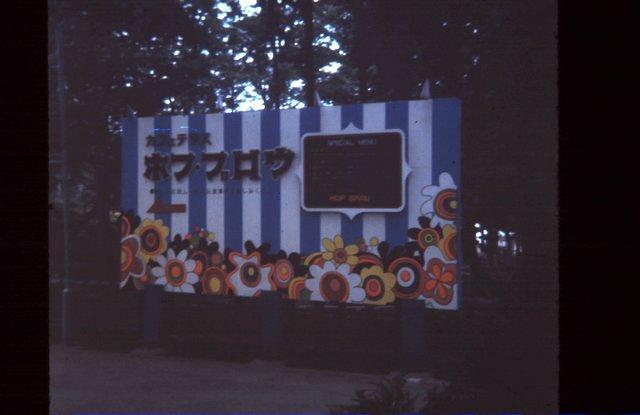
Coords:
360,171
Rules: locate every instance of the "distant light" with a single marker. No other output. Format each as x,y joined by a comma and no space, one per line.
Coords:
152,72
249,59
167,101
242,55
486,232
477,225
128,84
125,33
501,233
467,24
164,77
445,24
176,52
478,234
512,233
475,31
154,38
204,52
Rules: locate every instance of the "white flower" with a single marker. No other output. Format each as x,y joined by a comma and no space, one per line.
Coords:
331,283
249,277
441,201
176,273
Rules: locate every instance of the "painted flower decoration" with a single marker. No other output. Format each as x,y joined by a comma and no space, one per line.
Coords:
441,201
378,285
176,273
338,253
441,277
202,261
214,281
335,284
130,263
249,276
153,238
447,244
410,277
425,236
363,247
198,235
147,278
297,289
125,226
284,273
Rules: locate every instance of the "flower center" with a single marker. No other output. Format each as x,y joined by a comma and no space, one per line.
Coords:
340,255
175,273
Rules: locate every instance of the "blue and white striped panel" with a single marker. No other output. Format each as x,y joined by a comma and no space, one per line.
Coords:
273,214
215,202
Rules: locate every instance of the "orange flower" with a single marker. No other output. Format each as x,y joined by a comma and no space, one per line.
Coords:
440,280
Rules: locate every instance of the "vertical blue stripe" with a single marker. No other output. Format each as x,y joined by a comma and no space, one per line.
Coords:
270,188
396,224
351,228
197,178
233,188
129,165
446,158
351,114
162,189
309,221
446,138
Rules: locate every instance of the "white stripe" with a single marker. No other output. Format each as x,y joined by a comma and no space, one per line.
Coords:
145,197
289,183
215,201
179,221
330,223
373,224
251,207
420,143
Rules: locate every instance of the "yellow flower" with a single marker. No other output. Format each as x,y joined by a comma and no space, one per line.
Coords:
153,238
378,285
338,253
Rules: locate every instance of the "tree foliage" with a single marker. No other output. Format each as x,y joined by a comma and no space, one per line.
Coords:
142,58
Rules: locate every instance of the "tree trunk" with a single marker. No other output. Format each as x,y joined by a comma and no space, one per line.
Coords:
275,89
360,52
307,53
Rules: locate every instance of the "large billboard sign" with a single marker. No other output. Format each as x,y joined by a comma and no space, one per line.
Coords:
355,203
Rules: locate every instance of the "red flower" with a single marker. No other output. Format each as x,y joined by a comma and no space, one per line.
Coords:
440,280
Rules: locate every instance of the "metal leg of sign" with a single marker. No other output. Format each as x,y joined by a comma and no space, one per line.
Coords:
68,326
414,352
271,327
152,307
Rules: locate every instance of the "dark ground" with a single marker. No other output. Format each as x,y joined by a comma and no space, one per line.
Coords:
91,381
498,353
